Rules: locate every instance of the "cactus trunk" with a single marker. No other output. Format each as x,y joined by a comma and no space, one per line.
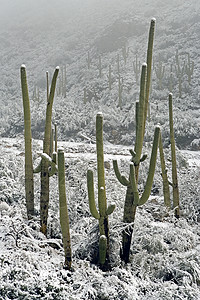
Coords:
44,196
29,184
103,221
64,218
173,154
166,191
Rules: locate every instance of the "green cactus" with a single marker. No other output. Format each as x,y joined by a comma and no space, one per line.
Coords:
104,211
189,69
166,191
136,68
149,66
56,137
170,79
44,196
131,199
29,183
173,156
47,79
64,218
160,71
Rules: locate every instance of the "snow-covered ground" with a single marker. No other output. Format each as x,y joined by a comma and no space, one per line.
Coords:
164,262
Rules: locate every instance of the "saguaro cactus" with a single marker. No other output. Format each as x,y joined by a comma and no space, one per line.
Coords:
141,115
179,72
136,68
103,213
109,78
88,60
64,218
47,81
44,196
29,184
120,90
100,67
160,71
166,191
189,68
149,65
173,156
125,53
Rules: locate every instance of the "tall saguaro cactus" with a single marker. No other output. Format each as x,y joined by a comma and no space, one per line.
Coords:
149,66
173,156
104,211
64,218
29,184
44,196
132,198
166,191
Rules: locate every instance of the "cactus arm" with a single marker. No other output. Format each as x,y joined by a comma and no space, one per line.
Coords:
54,168
49,113
166,191
174,169
140,118
29,184
149,65
51,162
47,79
38,168
110,209
64,218
152,166
90,186
102,249
122,179
144,157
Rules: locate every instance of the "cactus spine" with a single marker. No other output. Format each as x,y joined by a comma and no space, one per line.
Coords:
173,154
103,213
64,218
131,199
44,196
29,184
